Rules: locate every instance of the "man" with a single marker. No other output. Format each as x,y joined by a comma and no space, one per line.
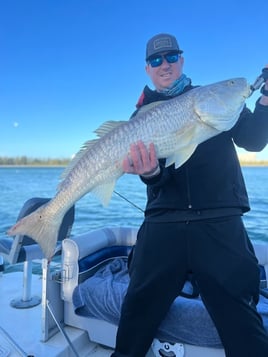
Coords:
193,224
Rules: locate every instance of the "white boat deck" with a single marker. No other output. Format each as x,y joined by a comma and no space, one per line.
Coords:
23,331
20,329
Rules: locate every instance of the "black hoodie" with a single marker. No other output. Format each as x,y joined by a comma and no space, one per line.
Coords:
210,183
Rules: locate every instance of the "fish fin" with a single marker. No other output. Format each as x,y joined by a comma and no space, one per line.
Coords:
40,227
104,192
149,106
101,131
181,156
108,126
185,146
171,159
78,156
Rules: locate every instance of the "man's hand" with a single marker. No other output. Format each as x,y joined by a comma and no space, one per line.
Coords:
264,98
141,161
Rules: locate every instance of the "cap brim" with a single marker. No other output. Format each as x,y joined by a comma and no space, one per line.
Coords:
163,50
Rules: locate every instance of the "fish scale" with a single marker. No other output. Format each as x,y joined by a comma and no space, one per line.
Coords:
176,127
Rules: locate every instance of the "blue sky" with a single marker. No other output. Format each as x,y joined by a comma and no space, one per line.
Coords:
68,66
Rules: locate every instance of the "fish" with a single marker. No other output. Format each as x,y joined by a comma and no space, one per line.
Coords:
175,126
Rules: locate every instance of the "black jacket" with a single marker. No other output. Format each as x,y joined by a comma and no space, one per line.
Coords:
210,183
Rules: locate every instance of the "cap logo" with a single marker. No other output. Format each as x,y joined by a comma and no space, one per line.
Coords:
162,42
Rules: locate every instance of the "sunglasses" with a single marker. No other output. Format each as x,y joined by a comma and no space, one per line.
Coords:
156,61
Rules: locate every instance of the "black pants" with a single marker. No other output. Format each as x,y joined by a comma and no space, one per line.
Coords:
222,259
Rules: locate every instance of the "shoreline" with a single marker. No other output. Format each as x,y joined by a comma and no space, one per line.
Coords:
242,163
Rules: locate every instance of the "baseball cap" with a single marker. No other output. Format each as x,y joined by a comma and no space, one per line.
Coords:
161,43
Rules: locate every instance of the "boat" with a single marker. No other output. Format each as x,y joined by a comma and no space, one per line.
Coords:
71,307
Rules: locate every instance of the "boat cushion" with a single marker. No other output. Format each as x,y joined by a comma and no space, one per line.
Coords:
187,321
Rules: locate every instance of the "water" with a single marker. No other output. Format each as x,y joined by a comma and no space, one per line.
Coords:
19,184
256,220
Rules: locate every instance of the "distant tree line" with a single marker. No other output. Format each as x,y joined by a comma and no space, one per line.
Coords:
24,160
27,161
254,163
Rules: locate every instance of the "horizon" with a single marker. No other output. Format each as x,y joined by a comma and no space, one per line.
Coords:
27,160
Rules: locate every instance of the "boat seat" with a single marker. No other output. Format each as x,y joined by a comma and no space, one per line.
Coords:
76,253
101,246
23,249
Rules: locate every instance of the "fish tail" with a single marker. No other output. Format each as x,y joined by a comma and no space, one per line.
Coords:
42,226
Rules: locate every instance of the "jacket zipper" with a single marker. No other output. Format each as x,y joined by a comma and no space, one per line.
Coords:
188,188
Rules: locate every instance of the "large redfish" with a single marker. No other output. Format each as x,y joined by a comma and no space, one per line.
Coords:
175,127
